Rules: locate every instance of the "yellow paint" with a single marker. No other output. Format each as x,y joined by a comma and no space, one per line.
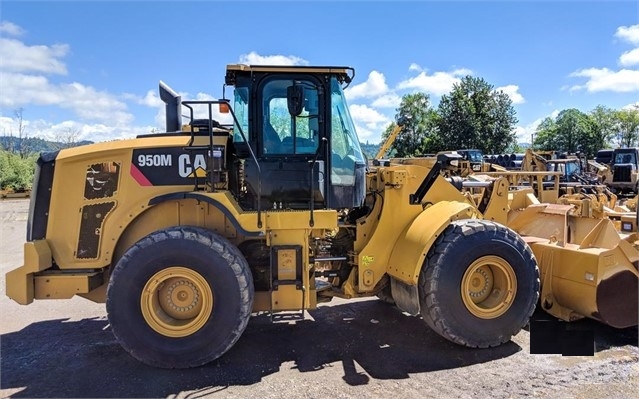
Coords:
20,286
176,302
414,242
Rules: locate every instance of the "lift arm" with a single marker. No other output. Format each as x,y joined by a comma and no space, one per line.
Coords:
389,141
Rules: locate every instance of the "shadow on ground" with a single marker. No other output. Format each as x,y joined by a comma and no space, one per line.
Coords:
58,358
605,337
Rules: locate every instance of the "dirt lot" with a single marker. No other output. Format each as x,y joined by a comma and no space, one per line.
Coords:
345,349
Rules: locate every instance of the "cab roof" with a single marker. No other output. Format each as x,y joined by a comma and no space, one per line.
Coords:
343,73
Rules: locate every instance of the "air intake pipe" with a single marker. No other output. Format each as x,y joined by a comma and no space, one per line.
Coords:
173,108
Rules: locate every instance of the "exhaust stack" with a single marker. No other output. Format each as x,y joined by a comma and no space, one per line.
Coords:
173,103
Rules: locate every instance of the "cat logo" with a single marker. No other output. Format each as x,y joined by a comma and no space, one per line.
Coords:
197,168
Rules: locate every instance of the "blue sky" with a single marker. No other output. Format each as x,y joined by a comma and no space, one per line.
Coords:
93,67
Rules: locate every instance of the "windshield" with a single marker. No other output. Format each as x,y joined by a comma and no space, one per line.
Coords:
572,168
345,148
625,157
475,156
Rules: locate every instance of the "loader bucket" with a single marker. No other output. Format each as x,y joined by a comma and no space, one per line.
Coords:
588,268
617,300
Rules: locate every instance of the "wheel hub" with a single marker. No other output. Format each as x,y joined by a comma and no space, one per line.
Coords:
176,301
481,283
180,298
488,287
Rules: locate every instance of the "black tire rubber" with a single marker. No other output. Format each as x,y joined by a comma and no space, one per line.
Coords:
218,261
442,307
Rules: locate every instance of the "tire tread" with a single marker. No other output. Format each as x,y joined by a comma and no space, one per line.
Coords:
220,245
433,315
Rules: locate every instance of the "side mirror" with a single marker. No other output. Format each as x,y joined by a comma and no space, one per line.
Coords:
295,99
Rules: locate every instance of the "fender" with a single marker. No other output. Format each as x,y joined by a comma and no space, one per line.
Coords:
199,197
415,241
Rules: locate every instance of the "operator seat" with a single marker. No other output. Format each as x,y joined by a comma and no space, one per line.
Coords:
272,143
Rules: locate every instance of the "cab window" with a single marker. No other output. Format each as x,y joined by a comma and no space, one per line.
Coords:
282,133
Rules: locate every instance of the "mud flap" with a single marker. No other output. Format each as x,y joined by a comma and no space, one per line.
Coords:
406,296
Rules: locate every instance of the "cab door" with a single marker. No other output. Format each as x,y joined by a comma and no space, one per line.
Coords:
288,147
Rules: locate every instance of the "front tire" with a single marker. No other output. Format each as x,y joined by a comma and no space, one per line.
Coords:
180,297
479,284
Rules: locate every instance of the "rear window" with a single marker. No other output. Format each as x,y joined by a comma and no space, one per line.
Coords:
604,156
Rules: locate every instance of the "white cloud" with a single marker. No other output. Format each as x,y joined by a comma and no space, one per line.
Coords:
200,111
621,81
85,101
524,133
629,58
10,28
23,71
15,56
151,99
513,92
56,131
603,79
415,67
9,126
254,58
439,83
633,106
390,100
370,124
365,114
24,82
374,86
628,33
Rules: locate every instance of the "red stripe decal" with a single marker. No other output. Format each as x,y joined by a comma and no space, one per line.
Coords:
139,177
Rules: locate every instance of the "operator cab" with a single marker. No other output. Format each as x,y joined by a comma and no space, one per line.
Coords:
625,156
570,169
294,142
474,157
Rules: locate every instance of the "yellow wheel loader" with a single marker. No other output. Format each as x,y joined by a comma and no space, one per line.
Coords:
185,234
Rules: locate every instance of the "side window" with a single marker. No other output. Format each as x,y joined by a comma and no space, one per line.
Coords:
283,134
241,110
346,151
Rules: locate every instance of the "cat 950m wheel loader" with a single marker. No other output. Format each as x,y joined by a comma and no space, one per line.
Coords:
186,234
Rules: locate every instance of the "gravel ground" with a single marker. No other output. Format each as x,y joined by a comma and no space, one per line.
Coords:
344,349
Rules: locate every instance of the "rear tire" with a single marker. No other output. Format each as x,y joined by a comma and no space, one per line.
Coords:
479,284
180,297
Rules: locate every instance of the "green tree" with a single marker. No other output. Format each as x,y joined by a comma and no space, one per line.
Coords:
433,141
415,116
627,124
546,135
603,126
474,115
573,131
16,172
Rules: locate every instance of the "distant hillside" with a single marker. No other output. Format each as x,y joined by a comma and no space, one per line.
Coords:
33,144
370,150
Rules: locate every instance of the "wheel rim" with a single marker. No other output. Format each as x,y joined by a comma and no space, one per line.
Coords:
176,302
489,287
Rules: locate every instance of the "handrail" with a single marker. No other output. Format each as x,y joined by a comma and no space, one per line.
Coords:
237,123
